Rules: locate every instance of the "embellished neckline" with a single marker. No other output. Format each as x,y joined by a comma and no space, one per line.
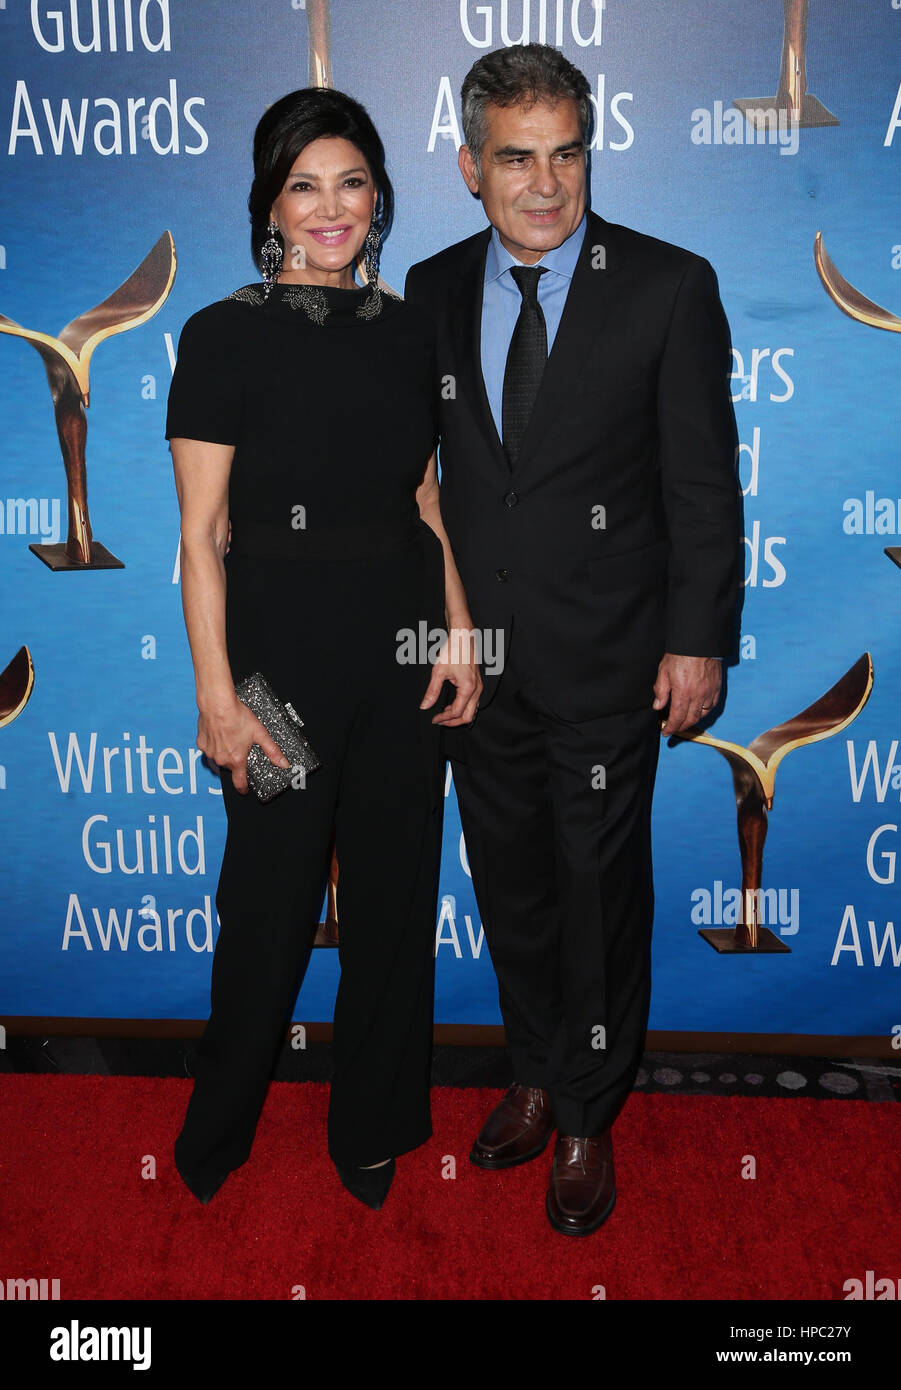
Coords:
321,304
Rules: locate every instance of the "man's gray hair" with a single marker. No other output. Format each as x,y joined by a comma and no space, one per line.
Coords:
520,76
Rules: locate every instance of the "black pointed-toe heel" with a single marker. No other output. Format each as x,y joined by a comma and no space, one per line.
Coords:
203,1191
368,1185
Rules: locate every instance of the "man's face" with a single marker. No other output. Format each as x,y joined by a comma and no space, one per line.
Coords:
534,175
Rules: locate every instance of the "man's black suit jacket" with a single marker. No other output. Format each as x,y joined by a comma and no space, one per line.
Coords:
616,536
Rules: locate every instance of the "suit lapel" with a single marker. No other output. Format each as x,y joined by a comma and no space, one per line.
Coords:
466,333
577,331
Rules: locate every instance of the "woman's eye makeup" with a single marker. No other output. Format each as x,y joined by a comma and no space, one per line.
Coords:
302,186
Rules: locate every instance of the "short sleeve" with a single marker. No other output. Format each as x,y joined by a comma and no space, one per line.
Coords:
206,388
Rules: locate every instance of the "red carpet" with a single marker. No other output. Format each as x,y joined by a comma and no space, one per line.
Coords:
822,1209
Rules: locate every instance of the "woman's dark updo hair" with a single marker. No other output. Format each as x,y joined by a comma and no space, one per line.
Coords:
294,122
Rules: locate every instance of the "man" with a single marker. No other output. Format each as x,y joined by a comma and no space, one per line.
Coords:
590,496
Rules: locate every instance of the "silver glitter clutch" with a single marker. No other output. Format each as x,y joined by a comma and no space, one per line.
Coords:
284,724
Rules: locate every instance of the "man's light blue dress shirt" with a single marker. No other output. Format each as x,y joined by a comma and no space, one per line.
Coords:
501,301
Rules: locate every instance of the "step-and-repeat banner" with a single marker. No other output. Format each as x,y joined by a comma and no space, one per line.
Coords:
764,135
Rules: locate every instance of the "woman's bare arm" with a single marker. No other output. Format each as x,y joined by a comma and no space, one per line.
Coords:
464,674
226,728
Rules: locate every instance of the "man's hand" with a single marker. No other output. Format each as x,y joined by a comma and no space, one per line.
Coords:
691,684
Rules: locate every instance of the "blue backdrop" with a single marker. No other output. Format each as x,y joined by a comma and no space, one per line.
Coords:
150,129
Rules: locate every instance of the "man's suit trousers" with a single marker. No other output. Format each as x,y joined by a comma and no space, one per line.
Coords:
556,819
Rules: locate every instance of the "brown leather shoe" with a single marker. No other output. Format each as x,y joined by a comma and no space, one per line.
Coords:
516,1130
582,1193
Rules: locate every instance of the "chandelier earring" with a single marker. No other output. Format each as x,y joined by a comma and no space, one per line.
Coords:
271,255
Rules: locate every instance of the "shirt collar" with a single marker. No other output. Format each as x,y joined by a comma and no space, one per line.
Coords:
562,259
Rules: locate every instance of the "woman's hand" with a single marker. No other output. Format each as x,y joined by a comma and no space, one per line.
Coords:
456,663
226,735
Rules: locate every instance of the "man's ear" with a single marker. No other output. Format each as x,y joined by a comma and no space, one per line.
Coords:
468,169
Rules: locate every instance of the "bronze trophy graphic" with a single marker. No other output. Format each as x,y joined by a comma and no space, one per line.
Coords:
848,299
319,42
792,95
327,931
16,685
856,306
753,776
67,363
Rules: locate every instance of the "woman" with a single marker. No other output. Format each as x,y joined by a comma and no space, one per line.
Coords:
301,411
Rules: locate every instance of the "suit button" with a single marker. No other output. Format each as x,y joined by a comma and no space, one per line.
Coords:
511,499
502,576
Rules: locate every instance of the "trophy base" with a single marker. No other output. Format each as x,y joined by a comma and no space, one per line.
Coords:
55,558
813,112
723,941
326,934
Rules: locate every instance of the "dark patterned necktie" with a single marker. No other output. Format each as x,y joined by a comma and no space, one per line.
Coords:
526,360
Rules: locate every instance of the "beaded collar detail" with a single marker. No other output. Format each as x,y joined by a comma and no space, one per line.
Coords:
319,303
